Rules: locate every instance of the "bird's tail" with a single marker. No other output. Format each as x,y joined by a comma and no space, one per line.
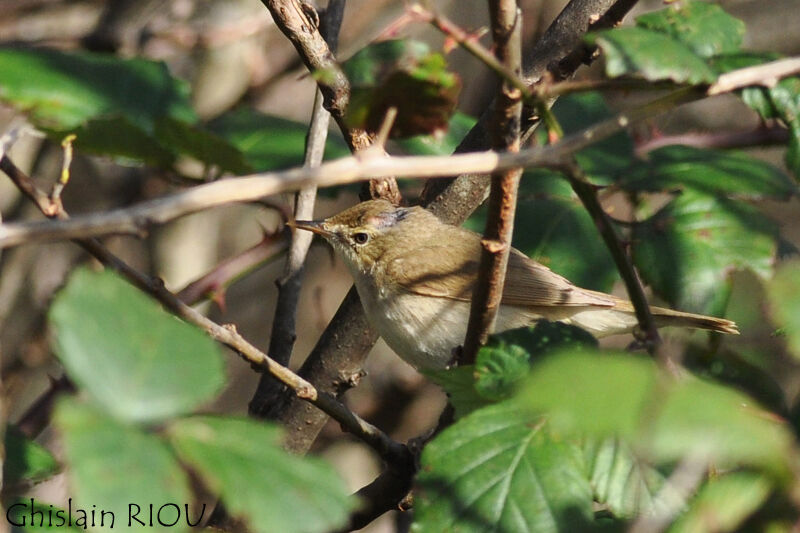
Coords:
621,318
668,317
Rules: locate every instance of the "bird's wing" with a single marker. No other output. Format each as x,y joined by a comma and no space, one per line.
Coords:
434,270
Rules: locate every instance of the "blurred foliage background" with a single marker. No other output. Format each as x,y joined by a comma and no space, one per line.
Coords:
246,84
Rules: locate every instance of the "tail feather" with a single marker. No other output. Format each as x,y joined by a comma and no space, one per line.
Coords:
668,317
621,319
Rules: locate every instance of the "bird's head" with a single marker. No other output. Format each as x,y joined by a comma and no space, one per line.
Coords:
362,234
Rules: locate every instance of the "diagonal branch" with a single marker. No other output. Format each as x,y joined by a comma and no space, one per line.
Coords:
387,448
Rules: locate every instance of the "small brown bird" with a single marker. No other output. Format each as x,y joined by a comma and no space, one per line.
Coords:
415,276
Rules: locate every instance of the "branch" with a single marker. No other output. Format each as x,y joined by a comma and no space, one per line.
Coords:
587,193
136,219
387,448
767,75
496,243
283,336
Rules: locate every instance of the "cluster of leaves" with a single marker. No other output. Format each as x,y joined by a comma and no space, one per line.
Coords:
555,435
129,437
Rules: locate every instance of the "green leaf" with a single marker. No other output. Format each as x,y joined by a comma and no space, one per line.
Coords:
406,75
712,172
25,460
62,90
597,393
269,142
601,161
499,369
136,360
498,469
785,306
52,518
114,466
724,503
459,384
127,108
687,250
442,144
193,141
702,26
626,484
625,396
650,55
283,492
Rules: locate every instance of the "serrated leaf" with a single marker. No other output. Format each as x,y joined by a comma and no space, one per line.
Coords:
114,466
702,26
25,460
626,484
650,55
459,384
137,361
499,369
284,492
269,142
723,503
406,75
626,396
713,172
499,470
687,250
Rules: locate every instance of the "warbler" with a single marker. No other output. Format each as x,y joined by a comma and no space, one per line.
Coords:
415,276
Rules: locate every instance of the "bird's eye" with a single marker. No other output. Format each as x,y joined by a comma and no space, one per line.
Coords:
360,238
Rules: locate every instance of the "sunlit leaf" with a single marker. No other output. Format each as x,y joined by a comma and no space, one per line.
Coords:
498,469
702,26
25,460
687,250
135,359
284,492
122,470
650,55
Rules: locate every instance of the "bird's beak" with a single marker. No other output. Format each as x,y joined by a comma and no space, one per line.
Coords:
313,226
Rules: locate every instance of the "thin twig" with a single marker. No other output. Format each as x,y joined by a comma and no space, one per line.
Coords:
212,284
761,136
767,75
389,449
283,335
587,193
469,43
506,31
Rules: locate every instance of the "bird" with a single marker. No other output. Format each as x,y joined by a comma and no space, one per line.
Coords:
415,276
